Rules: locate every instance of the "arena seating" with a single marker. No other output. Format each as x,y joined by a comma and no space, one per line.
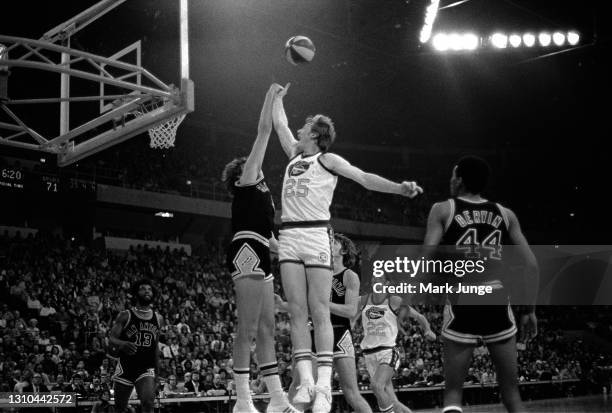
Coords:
59,301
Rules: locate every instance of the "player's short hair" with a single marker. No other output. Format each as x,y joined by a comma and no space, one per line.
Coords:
324,127
232,172
474,172
350,254
136,286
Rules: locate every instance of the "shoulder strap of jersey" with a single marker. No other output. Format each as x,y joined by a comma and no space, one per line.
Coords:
259,179
393,310
365,304
323,165
295,156
129,314
341,273
451,214
504,215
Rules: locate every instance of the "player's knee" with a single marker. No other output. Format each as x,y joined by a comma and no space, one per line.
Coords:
319,314
267,326
147,405
351,394
299,311
247,331
377,387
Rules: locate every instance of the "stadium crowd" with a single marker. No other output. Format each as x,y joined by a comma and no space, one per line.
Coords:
59,301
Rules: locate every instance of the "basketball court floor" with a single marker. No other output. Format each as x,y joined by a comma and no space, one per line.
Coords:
586,404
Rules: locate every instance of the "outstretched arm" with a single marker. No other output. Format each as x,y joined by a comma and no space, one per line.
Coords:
281,124
373,182
351,297
408,311
252,166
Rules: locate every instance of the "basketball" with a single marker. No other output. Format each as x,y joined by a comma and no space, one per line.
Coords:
299,49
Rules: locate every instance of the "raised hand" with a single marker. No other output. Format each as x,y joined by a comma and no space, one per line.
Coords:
278,90
410,189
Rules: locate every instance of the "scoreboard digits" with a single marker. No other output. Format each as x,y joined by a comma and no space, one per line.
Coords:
17,180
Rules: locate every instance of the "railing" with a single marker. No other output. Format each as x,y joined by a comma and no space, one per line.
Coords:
413,397
216,191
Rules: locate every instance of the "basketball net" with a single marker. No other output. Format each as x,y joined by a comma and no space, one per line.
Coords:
162,136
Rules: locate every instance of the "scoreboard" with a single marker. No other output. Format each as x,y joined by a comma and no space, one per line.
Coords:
20,180
12,178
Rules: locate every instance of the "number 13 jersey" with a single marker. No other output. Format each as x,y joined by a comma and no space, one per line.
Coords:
308,189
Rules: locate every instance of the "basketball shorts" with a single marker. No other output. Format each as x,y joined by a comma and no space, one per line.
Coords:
478,324
310,246
129,373
379,356
249,257
343,342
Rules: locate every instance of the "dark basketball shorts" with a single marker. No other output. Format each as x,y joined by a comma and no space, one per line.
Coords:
130,373
343,342
249,257
478,324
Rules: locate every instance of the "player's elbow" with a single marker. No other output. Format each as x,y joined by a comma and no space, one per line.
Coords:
364,180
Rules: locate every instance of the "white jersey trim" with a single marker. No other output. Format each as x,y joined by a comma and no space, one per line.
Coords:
251,235
504,215
449,220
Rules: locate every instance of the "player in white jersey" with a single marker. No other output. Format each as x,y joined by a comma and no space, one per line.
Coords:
380,316
305,240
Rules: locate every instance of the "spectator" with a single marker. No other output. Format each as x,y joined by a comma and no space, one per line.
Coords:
20,381
188,384
170,388
77,386
103,404
37,386
471,377
60,384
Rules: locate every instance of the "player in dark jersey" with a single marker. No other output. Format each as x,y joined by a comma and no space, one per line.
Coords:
477,226
248,260
135,335
344,302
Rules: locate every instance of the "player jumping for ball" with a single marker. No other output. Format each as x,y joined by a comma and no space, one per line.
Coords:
305,240
344,303
135,334
472,224
248,260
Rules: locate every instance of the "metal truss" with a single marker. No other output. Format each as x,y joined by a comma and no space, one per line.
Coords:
74,144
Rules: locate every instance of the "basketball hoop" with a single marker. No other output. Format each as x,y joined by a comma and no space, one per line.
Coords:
161,136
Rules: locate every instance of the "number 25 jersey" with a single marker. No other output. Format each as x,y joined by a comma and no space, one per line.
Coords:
308,189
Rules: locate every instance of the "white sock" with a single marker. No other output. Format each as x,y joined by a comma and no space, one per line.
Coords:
275,389
324,376
304,368
243,391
